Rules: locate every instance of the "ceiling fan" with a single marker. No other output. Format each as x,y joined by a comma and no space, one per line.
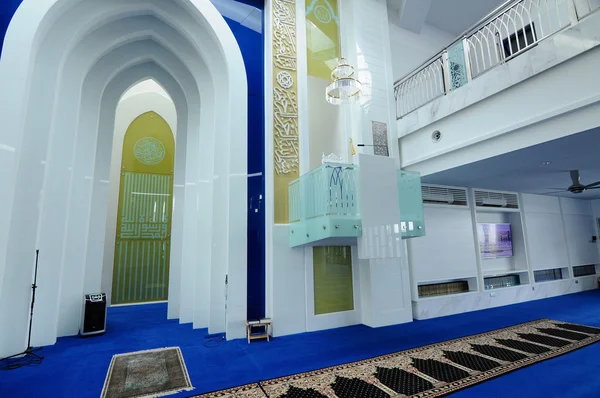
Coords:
577,186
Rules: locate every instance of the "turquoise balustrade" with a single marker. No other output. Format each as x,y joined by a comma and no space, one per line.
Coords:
324,205
410,198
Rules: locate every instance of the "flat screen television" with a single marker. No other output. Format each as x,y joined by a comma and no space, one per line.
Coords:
495,240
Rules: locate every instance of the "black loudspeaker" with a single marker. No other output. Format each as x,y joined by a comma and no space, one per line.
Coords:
94,314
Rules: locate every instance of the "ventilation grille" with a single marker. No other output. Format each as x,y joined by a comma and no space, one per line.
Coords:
444,196
496,199
548,275
584,270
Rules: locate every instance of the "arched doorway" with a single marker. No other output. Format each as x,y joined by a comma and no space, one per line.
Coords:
62,57
143,237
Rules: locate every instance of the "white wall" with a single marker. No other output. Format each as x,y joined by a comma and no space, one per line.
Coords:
580,226
555,233
326,128
447,249
144,97
409,49
549,243
433,307
546,240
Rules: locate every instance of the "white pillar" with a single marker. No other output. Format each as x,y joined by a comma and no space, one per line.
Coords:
384,274
385,282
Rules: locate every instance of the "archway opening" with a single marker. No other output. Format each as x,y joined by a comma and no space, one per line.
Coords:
150,99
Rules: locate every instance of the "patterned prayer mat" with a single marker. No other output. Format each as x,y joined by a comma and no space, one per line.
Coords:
429,371
151,373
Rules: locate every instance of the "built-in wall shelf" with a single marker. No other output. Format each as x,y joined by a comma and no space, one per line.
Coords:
550,275
550,249
510,279
496,210
447,287
586,270
500,272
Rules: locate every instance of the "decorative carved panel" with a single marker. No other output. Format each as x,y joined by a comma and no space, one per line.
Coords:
286,152
380,139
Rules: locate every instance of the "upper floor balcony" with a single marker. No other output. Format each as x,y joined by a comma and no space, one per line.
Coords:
506,73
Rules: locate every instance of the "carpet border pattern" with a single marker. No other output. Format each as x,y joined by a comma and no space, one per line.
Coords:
262,388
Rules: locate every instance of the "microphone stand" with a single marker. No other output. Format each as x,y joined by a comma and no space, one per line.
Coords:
27,357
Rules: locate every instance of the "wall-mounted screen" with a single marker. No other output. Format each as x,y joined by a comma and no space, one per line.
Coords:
495,240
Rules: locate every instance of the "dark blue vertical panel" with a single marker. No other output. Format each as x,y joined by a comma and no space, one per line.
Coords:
7,10
256,211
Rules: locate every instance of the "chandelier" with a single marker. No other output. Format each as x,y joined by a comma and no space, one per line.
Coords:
343,87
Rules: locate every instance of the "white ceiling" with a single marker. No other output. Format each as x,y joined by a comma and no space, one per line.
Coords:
523,171
456,16
451,16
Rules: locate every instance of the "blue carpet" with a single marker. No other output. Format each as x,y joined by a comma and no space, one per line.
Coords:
76,367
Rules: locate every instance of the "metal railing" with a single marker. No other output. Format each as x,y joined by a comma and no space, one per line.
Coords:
586,7
514,27
328,190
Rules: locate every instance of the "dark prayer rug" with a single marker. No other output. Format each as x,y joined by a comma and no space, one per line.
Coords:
151,373
429,371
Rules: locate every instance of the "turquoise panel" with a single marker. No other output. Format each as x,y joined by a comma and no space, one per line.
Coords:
457,65
411,204
324,203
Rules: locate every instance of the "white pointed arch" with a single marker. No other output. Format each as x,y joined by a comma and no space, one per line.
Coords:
148,85
42,36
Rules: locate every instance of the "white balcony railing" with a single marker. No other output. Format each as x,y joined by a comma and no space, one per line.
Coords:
514,27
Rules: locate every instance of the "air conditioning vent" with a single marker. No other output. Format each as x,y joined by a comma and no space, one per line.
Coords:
444,195
496,199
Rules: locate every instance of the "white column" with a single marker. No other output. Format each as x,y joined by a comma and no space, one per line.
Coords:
385,282
384,274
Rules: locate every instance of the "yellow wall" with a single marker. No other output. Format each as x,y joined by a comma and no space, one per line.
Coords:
322,37
142,247
333,287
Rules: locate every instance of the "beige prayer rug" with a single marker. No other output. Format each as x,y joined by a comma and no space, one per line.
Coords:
151,373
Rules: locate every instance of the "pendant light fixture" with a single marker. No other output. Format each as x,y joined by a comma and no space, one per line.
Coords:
343,87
